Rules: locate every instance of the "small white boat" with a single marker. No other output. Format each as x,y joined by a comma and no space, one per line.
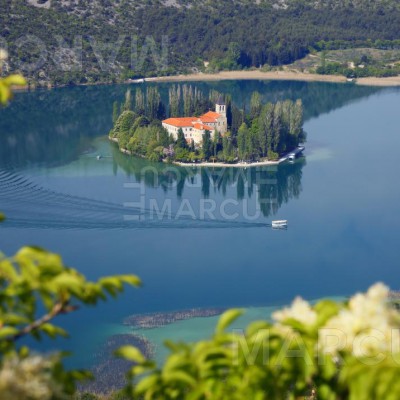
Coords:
280,223
99,157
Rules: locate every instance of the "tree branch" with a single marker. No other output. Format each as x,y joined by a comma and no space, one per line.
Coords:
58,308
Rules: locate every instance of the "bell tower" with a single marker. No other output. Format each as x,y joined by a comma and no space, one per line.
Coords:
222,121
220,106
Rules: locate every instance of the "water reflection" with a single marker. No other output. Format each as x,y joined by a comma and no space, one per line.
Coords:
270,186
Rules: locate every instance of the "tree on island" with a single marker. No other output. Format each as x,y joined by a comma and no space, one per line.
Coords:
181,141
128,101
115,114
255,105
174,100
241,141
207,145
268,131
139,102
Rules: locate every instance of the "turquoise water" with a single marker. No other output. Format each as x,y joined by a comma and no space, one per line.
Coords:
341,200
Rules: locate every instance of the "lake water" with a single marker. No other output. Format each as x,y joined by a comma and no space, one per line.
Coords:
342,202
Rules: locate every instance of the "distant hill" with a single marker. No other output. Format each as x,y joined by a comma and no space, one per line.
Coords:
229,34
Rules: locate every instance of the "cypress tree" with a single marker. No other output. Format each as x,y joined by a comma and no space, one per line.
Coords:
139,102
152,103
128,101
298,118
174,100
237,120
187,100
255,105
181,141
207,145
241,141
115,114
277,127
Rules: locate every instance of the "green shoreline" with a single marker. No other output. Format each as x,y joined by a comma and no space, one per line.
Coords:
207,164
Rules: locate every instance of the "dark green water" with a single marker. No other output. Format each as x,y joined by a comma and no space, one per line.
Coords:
342,202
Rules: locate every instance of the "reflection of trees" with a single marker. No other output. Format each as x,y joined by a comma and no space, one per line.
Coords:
273,185
280,186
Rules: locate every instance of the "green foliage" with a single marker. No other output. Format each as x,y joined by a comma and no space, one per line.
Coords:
207,145
123,124
86,396
128,101
379,69
115,114
272,155
241,35
182,155
35,278
303,349
241,141
181,141
36,287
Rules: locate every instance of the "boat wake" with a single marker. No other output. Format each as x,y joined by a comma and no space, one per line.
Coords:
29,205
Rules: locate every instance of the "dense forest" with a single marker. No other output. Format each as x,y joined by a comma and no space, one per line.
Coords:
73,42
266,131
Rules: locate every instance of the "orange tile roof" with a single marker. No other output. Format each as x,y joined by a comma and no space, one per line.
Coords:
211,114
180,122
209,117
203,127
206,119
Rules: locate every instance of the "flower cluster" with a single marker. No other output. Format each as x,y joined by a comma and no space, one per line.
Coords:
300,311
367,327
3,56
28,378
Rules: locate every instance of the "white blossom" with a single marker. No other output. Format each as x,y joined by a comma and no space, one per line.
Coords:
300,310
3,55
368,327
28,378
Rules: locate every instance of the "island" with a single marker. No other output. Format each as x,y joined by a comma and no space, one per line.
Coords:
206,130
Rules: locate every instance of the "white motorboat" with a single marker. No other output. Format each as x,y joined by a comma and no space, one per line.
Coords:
280,223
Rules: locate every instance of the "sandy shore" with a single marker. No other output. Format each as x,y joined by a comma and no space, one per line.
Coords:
276,75
249,75
371,81
216,164
224,165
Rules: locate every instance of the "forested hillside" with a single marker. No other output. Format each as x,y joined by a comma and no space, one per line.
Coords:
85,41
